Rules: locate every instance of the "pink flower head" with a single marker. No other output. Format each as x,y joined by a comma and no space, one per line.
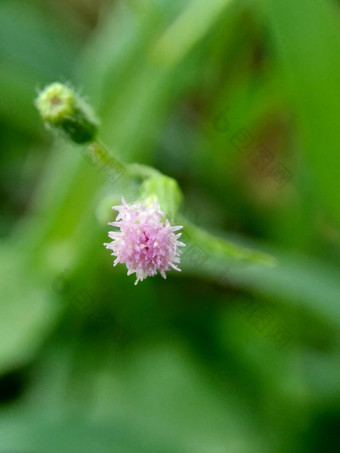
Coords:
144,242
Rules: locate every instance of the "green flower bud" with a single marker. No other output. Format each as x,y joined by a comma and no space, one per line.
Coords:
166,191
62,109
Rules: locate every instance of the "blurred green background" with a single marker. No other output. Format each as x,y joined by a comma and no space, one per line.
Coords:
222,357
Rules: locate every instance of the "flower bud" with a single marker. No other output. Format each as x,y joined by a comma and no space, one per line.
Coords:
62,109
165,191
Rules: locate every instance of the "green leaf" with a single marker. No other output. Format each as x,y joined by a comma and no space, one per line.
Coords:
220,248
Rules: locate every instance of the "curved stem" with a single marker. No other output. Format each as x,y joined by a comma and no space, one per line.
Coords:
109,160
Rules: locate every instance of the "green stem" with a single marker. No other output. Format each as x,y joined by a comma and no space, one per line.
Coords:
109,160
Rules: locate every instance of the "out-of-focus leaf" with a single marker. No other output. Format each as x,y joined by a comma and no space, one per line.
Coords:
307,38
27,310
298,281
34,50
181,36
148,402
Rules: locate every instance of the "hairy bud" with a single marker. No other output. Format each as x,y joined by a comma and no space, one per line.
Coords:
62,109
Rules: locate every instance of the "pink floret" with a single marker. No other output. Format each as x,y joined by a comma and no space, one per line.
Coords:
143,241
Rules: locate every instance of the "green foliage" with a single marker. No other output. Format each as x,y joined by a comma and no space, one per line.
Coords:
228,355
